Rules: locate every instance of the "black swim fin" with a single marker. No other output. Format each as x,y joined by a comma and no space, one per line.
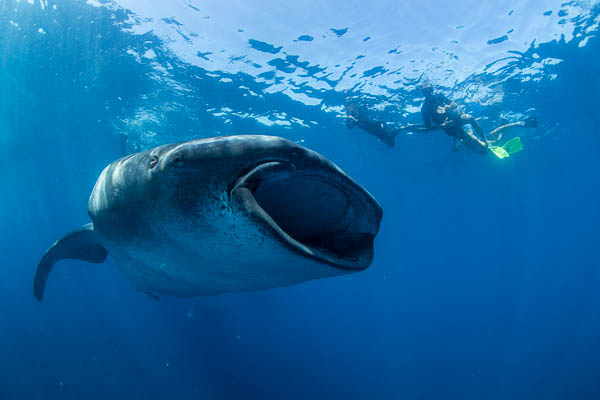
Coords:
81,244
388,139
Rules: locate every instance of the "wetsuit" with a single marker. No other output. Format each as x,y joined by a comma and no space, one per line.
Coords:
437,110
358,117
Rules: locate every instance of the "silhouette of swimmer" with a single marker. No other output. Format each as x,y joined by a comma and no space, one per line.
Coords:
438,113
125,139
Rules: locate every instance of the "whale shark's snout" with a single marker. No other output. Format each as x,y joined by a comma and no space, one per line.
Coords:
312,207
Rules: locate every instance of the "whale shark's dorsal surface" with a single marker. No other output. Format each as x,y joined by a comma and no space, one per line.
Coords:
225,214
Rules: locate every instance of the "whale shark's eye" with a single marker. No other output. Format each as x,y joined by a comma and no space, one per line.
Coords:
177,160
153,162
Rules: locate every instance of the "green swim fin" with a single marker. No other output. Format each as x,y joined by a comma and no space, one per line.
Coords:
514,145
499,151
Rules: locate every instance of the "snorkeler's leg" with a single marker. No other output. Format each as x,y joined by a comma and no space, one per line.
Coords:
501,130
467,119
474,143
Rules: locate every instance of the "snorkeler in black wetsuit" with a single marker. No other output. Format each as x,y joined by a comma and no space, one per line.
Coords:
438,112
356,116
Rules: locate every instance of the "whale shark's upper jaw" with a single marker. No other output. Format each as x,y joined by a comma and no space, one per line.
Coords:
313,208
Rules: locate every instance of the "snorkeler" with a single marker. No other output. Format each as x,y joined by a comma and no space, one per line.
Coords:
356,116
126,143
438,112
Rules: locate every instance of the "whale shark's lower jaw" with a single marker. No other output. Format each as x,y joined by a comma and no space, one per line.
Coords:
317,212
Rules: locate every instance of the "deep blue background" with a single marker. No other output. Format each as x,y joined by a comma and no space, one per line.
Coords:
485,283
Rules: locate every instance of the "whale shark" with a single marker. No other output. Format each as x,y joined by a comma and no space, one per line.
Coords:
224,214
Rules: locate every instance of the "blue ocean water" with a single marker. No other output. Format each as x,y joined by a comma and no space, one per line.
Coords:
486,272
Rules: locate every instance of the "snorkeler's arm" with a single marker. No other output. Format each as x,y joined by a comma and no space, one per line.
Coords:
448,123
417,128
425,128
467,119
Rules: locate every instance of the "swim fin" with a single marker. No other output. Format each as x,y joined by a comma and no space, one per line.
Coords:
514,145
499,151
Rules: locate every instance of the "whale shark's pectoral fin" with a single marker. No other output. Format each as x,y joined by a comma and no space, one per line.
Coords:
81,244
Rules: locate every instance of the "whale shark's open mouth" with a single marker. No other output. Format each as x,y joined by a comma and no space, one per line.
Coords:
319,212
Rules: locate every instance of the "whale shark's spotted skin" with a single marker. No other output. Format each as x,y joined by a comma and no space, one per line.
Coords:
221,215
